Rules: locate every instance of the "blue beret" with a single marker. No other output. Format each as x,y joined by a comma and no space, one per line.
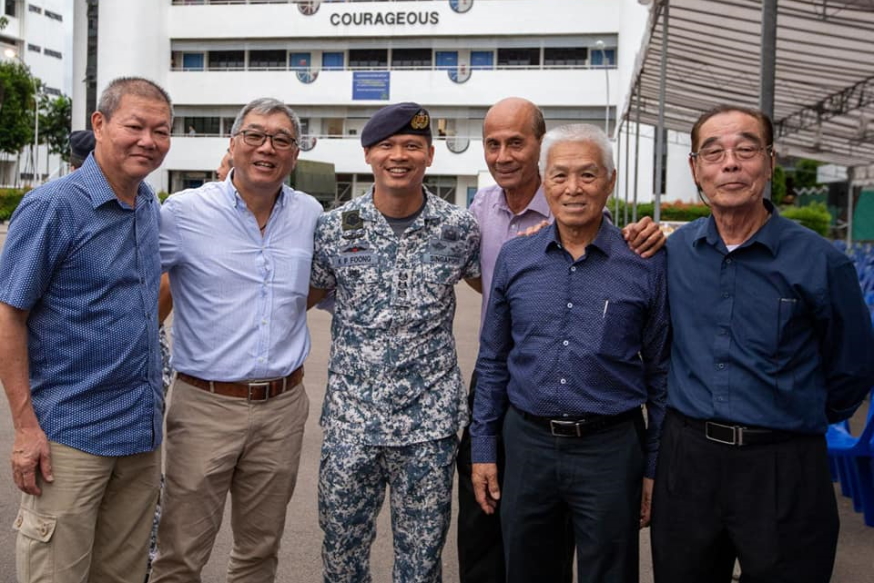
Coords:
400,118
81,144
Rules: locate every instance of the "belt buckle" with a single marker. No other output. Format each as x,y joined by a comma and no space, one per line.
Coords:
555,424
255,385
736,433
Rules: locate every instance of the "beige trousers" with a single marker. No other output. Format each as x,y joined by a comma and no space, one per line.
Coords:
217,445
92,524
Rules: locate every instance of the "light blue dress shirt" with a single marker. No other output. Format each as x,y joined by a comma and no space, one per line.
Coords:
239,298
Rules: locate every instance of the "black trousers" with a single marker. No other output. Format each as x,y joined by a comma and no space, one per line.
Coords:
595,480
770,506
480,543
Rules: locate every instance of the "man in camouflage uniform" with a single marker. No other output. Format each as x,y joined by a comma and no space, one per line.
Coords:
395,397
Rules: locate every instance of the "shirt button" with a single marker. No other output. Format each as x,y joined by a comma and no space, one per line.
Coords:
720,366
565,343
726,295
570,305
728,260
723,332
563,381
573,268
402,293
261,359
263,322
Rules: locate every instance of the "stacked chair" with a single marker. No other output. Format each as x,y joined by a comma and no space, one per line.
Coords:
851,458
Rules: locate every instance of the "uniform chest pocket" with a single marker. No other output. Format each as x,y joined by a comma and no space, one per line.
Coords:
621,324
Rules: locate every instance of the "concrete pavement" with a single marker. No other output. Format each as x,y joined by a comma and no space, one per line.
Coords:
300,559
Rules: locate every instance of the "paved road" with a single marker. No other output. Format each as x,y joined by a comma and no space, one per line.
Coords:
299,558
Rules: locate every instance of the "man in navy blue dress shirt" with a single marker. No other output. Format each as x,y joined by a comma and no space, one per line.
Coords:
574,342
79,354
772,342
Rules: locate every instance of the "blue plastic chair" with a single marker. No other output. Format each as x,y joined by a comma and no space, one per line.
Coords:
852,459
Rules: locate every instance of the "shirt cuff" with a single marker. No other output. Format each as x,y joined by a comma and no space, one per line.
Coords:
650,469
484,450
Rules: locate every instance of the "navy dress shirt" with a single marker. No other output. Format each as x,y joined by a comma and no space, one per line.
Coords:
565,338
773,334
86,266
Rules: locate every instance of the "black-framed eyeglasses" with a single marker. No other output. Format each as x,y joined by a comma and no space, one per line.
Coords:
716,154
255,139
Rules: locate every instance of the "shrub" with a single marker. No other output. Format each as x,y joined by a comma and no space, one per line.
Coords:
814,216
9,199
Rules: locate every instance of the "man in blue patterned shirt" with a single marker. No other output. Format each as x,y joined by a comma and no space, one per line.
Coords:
79,354
574,342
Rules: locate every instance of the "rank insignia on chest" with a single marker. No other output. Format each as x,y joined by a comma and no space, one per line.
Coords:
450,233
351,221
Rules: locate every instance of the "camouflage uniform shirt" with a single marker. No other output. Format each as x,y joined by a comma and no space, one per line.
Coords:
393,374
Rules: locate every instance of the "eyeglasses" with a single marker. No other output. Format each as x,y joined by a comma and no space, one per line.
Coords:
715,154
255,139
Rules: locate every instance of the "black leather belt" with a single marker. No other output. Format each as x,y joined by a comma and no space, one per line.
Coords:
580,426
736,435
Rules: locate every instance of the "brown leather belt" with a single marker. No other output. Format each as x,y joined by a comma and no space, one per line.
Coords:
254,390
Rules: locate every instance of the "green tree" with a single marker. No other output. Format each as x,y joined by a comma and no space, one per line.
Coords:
54,124
16,107
778,185
805,173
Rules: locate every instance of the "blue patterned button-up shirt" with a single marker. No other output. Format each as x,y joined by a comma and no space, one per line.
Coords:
86,267
565,338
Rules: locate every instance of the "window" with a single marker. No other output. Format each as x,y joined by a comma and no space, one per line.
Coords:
201,125
598,56
10,8
34,9
368,58
54,16
299,61
227,125
273,59
410,58
482,60
54,54
34,48
332,61
518,57
52,91
227,60
192,61
565,57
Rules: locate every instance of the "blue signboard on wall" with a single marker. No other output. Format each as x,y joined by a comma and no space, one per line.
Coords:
368,85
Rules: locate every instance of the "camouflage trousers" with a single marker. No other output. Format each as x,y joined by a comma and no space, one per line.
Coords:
352,483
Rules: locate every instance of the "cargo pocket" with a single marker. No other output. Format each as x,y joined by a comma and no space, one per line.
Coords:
31,547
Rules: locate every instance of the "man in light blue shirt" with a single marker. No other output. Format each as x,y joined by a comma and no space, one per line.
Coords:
238,254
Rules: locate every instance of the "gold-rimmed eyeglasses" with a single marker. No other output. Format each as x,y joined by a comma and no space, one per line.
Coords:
716,154
255,139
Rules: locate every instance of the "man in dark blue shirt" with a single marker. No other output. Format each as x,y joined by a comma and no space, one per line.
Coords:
772,342
574,342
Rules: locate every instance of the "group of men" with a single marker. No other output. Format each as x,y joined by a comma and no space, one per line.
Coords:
767,349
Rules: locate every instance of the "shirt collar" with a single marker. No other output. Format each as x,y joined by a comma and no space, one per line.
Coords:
768,234
233,198
605,241
369,212
537,204
99,190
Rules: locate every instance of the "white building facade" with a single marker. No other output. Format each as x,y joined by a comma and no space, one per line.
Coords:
35,33
336,63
